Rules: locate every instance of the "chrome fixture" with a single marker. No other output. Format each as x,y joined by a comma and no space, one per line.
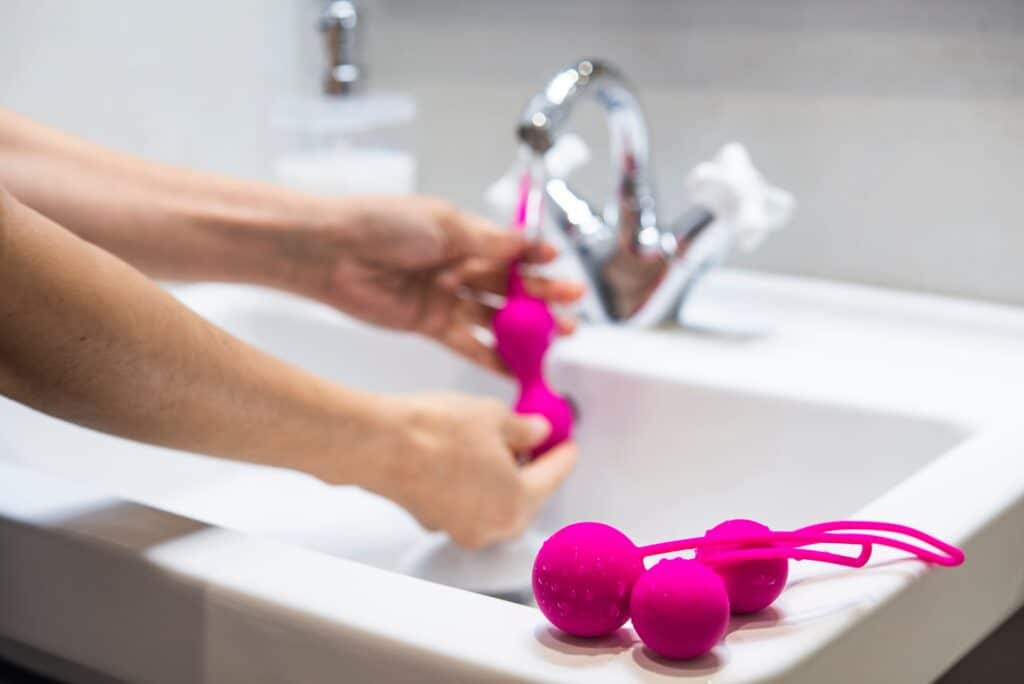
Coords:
638,270
339,24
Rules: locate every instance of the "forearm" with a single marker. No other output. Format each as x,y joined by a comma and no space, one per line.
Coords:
168,222
85,337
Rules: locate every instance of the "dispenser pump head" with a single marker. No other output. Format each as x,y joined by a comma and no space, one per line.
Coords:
339,24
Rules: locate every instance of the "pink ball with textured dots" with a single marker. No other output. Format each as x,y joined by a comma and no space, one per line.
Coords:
752,585
582,578
680,608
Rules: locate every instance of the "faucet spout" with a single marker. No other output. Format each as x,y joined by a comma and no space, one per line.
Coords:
624,230
639,272
549,111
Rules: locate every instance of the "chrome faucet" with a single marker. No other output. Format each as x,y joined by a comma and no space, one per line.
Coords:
638,270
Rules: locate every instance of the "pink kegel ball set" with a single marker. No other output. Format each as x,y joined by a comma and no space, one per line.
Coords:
589,578
523,330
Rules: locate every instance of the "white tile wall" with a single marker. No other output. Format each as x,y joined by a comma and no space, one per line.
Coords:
898,124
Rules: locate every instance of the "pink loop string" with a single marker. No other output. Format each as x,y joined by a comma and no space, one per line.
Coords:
950,555
515,280
523,211
783,544
793,553
774,544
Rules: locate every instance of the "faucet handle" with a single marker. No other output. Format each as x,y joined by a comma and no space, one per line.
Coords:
739,195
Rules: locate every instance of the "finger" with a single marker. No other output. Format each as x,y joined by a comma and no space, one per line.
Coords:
524,432
474,312
481,267
539,253
544,474
553,290
449,279
472,236
480,311
461,340
488,278
474,541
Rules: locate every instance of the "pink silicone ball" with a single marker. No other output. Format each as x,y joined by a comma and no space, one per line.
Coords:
523,331
582,578
752,585
539,399
680,608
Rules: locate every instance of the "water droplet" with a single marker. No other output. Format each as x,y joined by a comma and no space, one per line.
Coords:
588,595
572,594
554,586
563,607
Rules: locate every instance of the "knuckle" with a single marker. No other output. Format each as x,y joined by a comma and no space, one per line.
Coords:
493,406
442,208
429,525
513,514
470,538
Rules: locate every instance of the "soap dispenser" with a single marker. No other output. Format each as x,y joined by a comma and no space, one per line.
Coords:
346,140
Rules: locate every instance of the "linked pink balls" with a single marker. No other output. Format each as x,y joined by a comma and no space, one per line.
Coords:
523,331
752,585
582,578
680,608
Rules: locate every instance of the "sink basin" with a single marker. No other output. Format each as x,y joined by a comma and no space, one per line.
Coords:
790,401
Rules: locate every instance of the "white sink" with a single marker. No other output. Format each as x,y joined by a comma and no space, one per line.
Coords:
850,402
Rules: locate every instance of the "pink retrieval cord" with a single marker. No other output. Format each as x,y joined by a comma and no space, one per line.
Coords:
524,329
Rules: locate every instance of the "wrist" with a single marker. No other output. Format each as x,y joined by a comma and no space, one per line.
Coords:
358,441
273,237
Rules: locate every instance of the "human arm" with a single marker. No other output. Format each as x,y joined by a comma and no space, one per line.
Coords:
87,338
409,263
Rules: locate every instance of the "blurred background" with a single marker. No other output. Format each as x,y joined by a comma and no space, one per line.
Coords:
898,124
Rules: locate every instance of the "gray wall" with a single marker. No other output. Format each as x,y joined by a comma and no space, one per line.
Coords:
898,124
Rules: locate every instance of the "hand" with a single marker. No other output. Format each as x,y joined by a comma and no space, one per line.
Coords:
419,264
452,464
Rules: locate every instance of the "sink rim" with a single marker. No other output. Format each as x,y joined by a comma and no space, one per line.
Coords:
221,562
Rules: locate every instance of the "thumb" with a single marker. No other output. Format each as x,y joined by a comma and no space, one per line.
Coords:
523,432
543,475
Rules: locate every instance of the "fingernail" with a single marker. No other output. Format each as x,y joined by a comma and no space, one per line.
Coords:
539,427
